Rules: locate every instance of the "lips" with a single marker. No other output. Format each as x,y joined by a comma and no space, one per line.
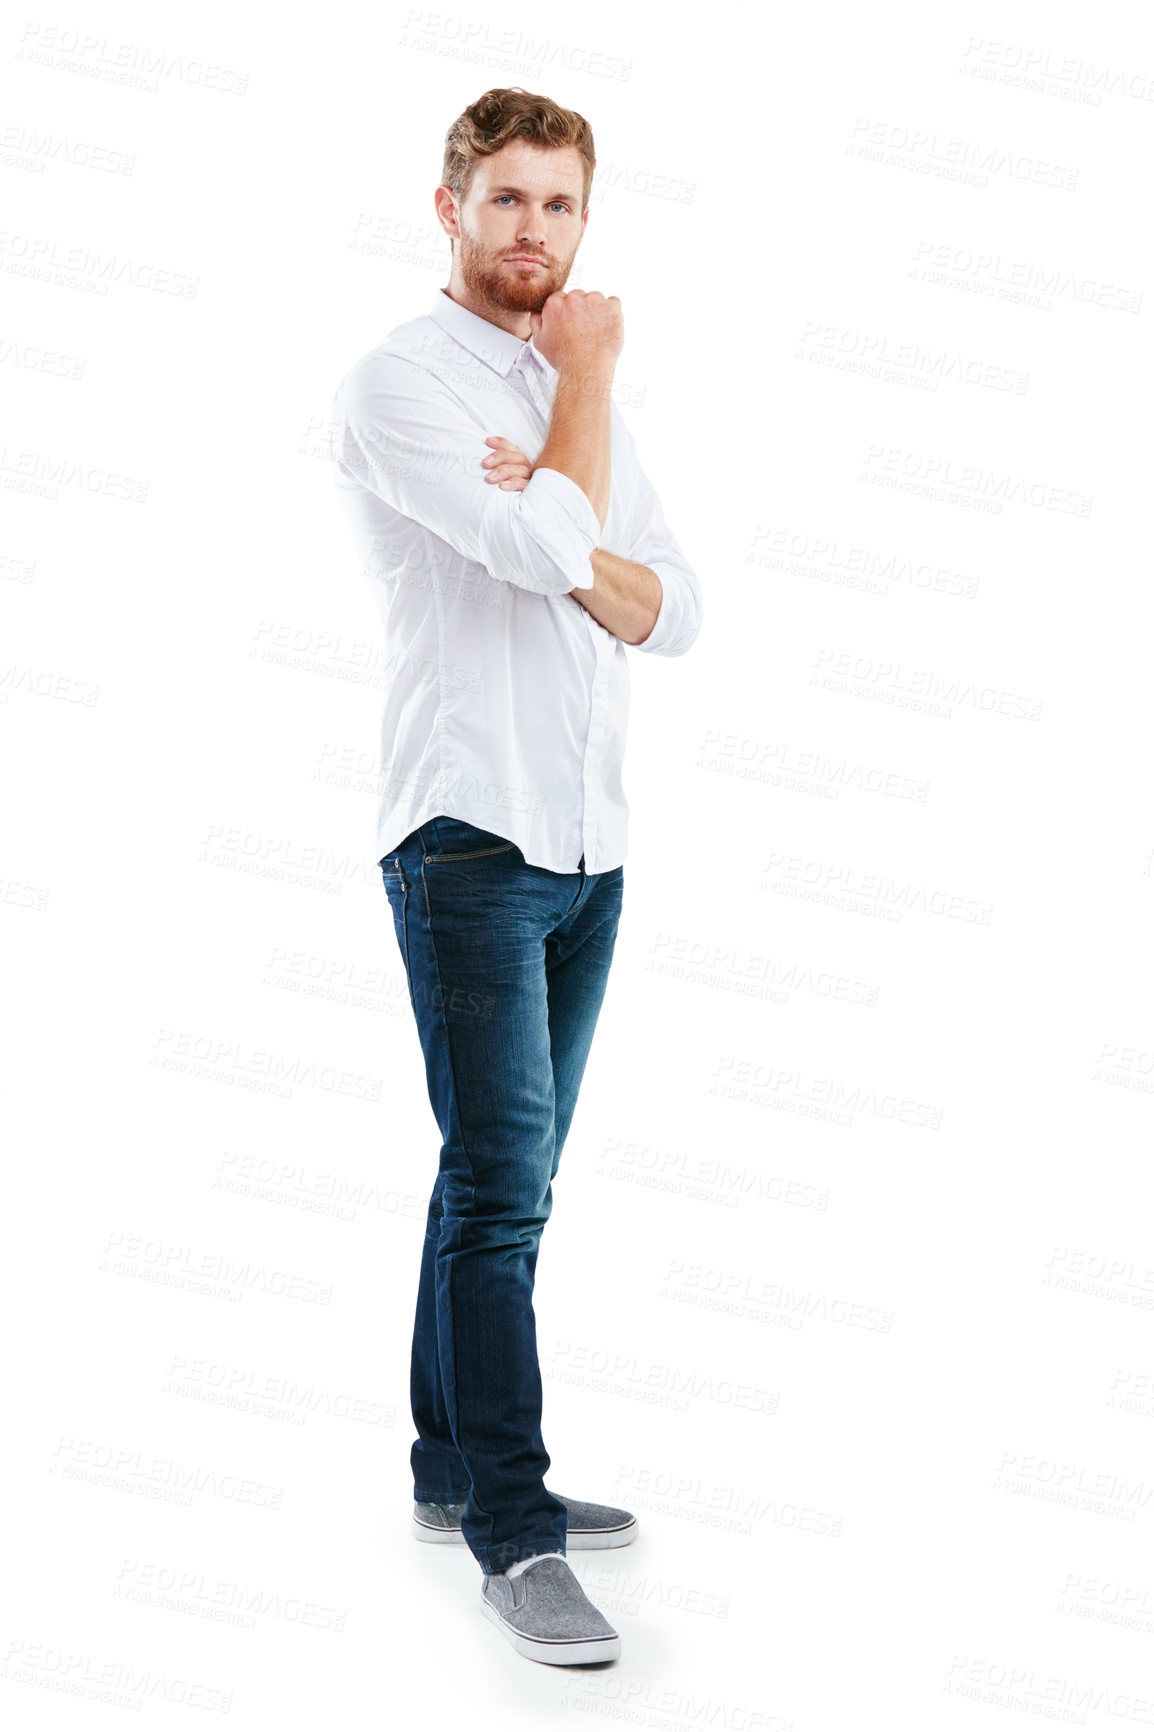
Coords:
537,264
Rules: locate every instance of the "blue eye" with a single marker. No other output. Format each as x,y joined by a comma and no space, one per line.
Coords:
558,204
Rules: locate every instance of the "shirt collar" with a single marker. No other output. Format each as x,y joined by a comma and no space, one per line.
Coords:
497,348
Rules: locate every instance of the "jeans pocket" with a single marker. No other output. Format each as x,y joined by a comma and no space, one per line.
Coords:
448,839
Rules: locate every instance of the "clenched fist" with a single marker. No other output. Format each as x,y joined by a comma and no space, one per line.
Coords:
578,328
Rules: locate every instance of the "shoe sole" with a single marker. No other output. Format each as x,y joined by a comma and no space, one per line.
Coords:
574,1542
437,1536
587,1651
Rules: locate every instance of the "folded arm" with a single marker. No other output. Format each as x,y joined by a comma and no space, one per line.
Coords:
626,596
652,599
402,432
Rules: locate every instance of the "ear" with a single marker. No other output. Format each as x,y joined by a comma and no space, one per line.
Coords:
446,208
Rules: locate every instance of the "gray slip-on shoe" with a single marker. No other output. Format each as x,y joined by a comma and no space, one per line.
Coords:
546,1615
592,1526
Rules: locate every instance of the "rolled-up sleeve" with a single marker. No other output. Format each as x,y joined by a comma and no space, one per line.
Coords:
401,432
652,543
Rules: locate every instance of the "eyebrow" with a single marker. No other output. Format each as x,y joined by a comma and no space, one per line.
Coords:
519,191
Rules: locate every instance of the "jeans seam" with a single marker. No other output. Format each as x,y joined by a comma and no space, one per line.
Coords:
454,1116
401,881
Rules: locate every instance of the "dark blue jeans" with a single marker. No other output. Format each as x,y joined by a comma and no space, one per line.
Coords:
507,965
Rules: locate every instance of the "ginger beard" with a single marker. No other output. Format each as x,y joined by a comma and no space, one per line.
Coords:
490,276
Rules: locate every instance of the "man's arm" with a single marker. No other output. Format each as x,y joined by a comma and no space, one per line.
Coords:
652,599
402,433
581,335
578,440
625,598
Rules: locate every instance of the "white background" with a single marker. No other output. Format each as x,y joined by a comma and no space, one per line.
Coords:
848,1284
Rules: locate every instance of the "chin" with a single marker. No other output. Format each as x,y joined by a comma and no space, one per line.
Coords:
524,297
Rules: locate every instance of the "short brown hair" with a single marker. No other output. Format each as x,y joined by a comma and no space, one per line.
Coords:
488,124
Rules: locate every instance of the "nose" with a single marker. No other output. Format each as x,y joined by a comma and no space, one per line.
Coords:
531,233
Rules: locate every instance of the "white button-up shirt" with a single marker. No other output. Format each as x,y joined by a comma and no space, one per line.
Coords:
506,702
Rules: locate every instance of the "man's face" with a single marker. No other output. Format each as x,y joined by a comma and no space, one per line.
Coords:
525,201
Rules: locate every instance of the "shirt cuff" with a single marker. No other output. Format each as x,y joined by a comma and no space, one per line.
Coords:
580,515
676,624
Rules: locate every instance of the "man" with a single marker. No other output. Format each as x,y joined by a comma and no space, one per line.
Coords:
515,547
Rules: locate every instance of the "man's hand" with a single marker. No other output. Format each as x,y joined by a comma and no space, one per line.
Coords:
507,466
579,331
